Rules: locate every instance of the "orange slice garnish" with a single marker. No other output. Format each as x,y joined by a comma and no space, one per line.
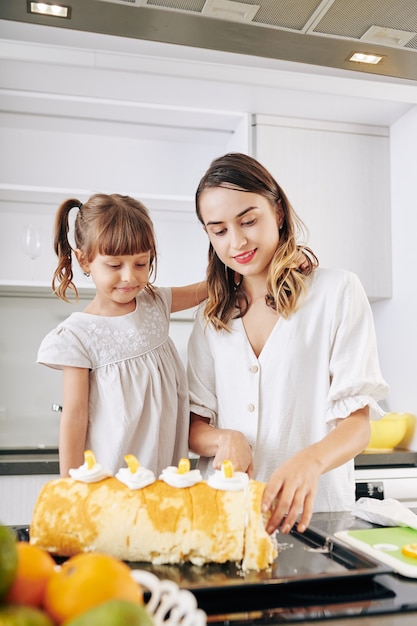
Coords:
183,466
227,467
132,463
410,549
89,459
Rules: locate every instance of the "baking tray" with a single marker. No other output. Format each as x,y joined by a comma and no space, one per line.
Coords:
312,568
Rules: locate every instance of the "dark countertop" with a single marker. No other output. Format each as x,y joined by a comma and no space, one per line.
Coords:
32,460
28,461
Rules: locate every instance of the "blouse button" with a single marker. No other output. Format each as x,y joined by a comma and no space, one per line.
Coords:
251,407
254,369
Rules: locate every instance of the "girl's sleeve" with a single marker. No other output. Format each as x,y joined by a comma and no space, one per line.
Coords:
356,379
201,372
61,348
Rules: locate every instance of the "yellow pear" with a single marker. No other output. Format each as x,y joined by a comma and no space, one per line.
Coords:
13,615
113,613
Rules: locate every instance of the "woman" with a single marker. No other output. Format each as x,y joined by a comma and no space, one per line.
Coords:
283,367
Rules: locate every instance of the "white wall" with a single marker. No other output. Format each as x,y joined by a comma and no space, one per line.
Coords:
396,319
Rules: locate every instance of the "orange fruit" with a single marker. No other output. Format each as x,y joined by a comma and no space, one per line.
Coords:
410,549
34,568
87,580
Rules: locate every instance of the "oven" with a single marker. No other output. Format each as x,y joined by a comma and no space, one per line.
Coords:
387,475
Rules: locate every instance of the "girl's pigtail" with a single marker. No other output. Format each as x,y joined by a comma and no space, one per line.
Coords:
62,279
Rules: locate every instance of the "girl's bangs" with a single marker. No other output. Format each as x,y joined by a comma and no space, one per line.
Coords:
125,239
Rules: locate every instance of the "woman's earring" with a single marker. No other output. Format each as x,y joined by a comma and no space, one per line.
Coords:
237,285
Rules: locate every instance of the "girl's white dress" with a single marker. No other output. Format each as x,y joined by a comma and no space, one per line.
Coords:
316,367
138,400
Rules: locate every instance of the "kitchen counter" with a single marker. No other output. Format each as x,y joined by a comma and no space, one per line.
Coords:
28,461
405,589
325,596
397,606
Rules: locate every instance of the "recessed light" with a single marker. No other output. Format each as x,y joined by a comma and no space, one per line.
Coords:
364,57
45,8
388,36
230,10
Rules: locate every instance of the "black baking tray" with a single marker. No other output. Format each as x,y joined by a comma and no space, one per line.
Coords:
312,568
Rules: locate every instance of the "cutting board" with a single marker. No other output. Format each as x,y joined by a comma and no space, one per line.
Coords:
384,544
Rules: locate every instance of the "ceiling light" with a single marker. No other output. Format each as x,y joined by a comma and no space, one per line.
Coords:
388,36
44,8
230,10
364,57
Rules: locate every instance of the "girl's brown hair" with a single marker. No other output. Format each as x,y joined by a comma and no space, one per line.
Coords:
285,283
111,225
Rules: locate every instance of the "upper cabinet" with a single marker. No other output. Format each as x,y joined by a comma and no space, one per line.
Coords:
336,176
70,128
77,119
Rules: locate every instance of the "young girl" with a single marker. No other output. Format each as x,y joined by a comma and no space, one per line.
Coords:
283,366
124,385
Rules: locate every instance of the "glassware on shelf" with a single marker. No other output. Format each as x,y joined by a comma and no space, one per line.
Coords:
31,244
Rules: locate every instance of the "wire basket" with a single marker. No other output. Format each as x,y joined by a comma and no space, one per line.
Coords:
168,605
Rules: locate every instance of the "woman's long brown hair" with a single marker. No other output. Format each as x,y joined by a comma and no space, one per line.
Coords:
286,285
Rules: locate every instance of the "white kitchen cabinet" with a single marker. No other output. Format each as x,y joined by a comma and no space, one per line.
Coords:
65,134
182,244
336,176
18,496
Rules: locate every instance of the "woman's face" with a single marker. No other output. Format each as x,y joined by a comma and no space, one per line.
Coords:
243,228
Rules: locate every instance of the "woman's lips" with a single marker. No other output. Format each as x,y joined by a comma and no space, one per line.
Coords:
245,257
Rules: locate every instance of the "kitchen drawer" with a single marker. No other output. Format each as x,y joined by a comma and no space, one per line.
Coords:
18,494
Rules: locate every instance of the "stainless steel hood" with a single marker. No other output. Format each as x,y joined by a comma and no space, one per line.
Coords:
317,32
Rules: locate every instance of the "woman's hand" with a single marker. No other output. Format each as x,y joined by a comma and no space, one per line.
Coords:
221,444
291,490
234,446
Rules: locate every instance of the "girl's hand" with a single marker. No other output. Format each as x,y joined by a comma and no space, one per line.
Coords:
291,490
305,260
234,446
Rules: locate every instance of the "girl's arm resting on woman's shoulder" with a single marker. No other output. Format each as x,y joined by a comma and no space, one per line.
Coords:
74,418
220,443
188,296
292,487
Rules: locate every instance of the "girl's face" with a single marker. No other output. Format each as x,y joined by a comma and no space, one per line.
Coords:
243,228
118,279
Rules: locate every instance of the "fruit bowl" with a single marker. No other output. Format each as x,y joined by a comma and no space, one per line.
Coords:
387,432
168,605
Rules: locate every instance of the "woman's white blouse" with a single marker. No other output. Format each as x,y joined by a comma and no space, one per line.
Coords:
316,367
138,402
